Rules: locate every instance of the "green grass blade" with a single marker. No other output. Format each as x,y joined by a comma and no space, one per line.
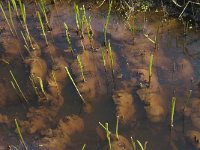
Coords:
20,134
4,14
42,27
11,18
81,67
172,111
68,38
75,85
16,83
117,126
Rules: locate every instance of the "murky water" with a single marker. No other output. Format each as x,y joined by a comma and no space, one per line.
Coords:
43,123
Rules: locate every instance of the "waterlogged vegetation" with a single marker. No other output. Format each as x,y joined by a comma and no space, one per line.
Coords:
100,75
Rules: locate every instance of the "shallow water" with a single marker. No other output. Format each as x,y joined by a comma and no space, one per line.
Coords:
176,66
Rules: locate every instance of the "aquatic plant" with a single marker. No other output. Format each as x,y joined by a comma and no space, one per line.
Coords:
83,100
11,18
81,67
108,136
15,8
23,11
150,68
141,146
68,38
41,85
83,148
103,57
107,20
88,27
4,14
18,87
117,126
20,134
78,20
133,143
26,43
172,111
111,57
43,10
42,27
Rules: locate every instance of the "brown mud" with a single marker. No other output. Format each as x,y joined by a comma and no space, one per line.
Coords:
54,116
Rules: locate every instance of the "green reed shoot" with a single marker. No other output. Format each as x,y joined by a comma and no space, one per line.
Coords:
111,57
23,11
103,58
42,27
172,111
43,9
26,43
108,136
117,126
150,68
41,85
81,67
4,14
83,148
68,38
141,146
78,18
107,20
88,27
18,87
15,7
20,134
75,85
133,143
11,18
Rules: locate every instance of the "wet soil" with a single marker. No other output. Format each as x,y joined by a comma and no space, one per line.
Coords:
53,116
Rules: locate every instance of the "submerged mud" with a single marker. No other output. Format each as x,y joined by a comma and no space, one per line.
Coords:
49,109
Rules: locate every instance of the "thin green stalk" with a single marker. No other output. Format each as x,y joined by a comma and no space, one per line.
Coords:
78,17
11,18
20,134
111,57
23,11
4,14
88,27
81,67
103,58
43,10
83,148
75,85
107,20
16,83
150,68
68,38
15,7
42,27
41,85
172,111
108,136
117,126
141,146
133,143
